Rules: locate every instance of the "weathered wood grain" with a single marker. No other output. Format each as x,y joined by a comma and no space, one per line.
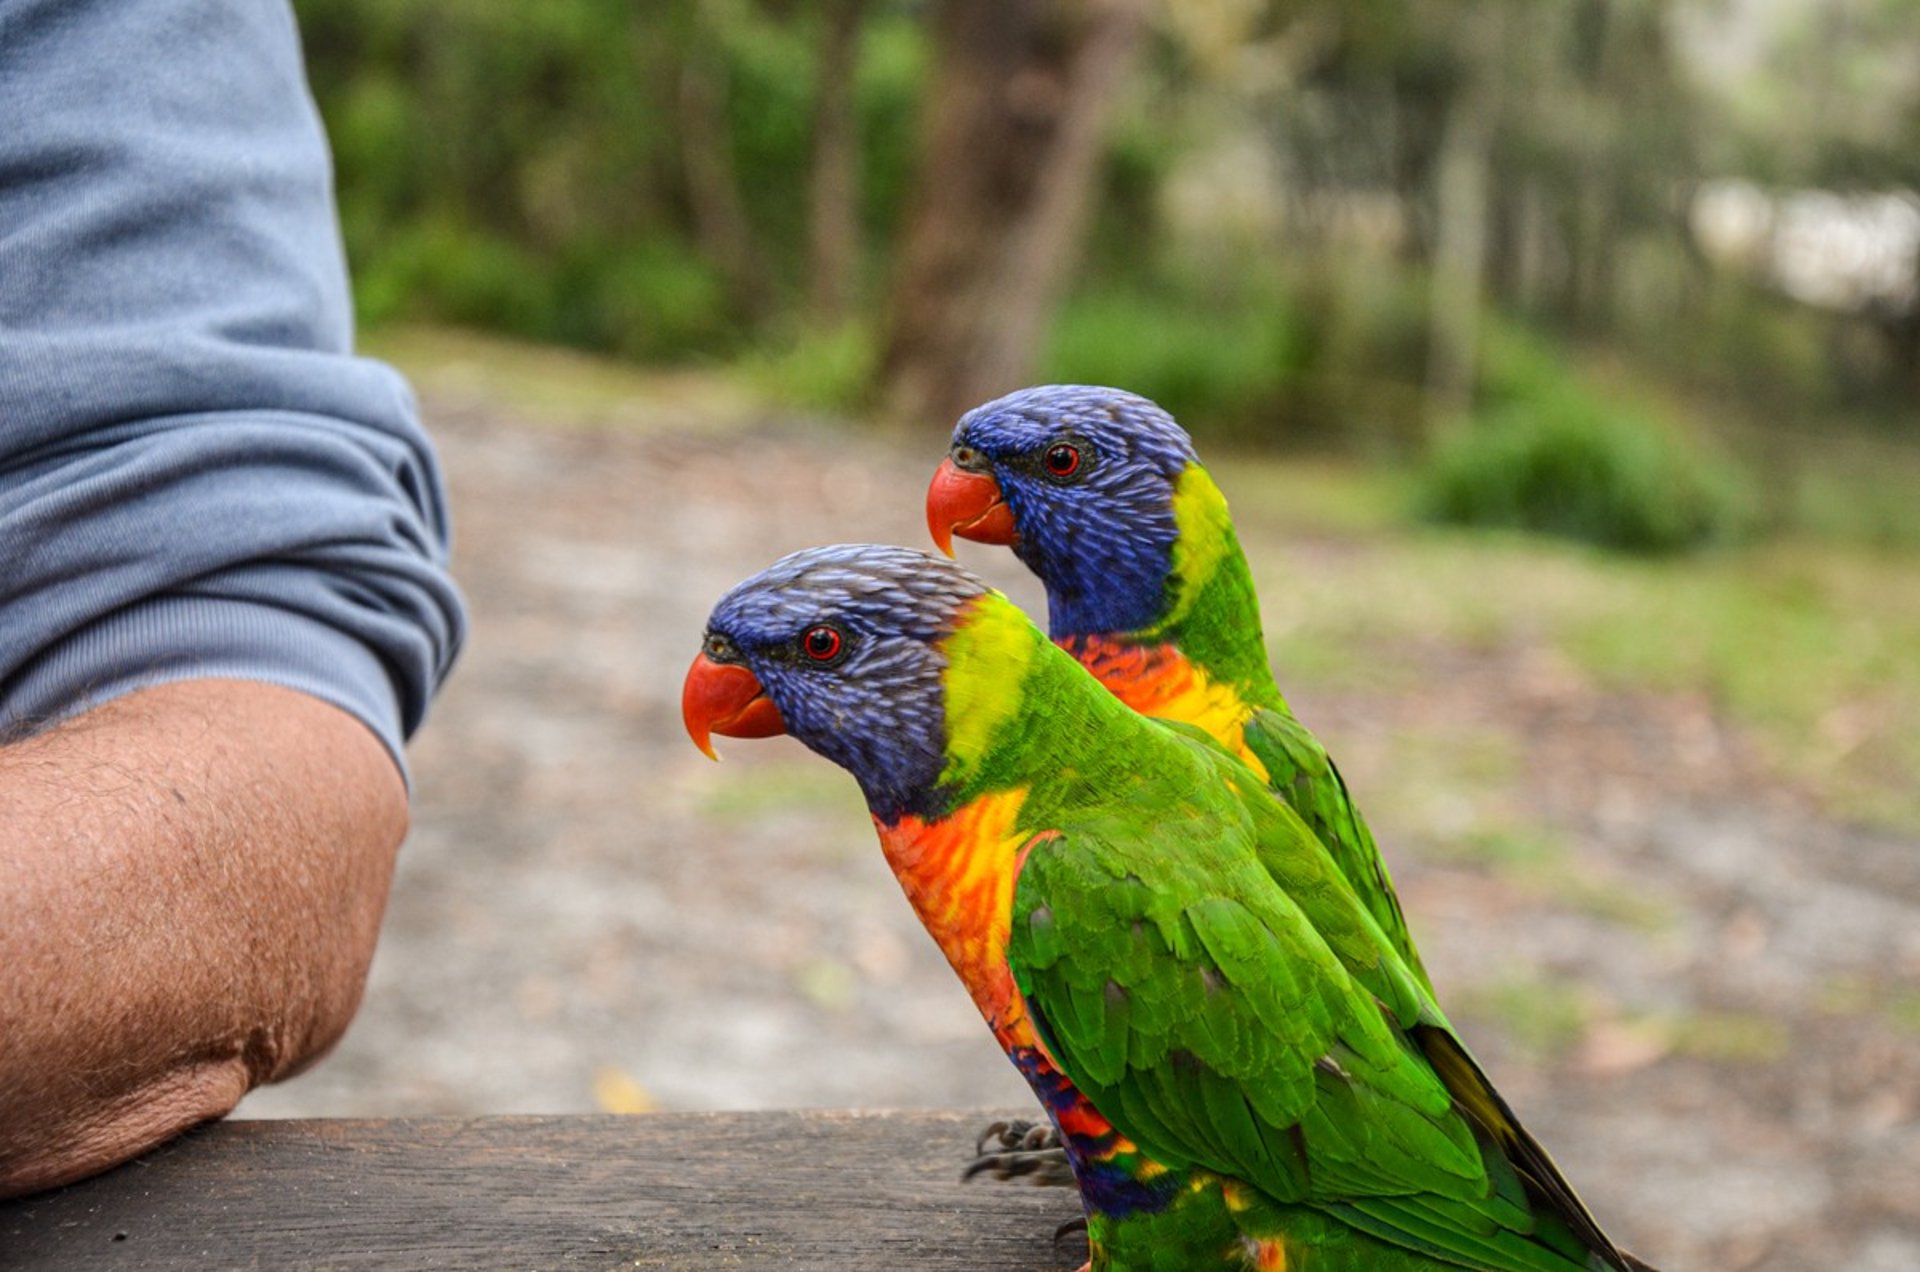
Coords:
854,1191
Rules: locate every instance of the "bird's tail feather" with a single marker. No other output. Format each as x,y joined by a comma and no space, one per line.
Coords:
1476,1096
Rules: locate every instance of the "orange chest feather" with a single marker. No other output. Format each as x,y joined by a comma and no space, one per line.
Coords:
958,872
1159,681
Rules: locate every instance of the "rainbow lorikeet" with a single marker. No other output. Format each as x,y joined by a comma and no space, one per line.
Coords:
1100,493
1244,1071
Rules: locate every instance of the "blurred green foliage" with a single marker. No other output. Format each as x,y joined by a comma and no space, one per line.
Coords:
1572,467
1223,361
1265,239
1551,452
826,369
523,168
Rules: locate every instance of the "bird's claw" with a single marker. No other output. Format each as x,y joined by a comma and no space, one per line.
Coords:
1016,1136
1021,1150
1031,1151
1046,1168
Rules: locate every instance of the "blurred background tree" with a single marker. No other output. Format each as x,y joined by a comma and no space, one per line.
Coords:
1016,113
686,283
1660,248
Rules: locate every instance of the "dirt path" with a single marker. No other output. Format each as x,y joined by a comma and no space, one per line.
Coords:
1700,994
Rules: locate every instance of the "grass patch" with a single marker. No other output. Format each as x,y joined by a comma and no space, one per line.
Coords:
1813,645
554,386
1808,643
1850,994
1506,848
1311,497
1536,860
1315,658
1845,482
1456,787
1727,1037
1857,996
818,370
782,789
1444,759
827,983
1546,1018
1903,1011
1617,903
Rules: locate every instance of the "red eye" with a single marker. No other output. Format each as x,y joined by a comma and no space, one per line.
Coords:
821,643
1062,460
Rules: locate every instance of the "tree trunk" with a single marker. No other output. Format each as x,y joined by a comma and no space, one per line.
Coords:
1012,138
833,231
1463,174
1591,228
713,186
1900,327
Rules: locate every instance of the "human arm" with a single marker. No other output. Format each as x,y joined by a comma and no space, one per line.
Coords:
223,589
194,876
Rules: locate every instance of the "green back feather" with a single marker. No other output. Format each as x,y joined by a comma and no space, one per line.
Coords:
1213,618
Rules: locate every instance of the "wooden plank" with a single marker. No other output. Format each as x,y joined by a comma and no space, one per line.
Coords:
852,1191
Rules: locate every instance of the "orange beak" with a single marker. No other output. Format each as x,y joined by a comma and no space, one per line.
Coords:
727,699
969,505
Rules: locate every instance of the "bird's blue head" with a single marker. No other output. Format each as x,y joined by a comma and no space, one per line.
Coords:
1080,482
841,647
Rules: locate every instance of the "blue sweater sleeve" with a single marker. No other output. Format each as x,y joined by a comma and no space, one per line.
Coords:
197,477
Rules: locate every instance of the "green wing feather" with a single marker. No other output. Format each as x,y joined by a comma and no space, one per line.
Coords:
1233,1006
1214,620
1302,773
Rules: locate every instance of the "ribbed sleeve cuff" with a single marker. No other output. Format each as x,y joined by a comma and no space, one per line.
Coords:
173,638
